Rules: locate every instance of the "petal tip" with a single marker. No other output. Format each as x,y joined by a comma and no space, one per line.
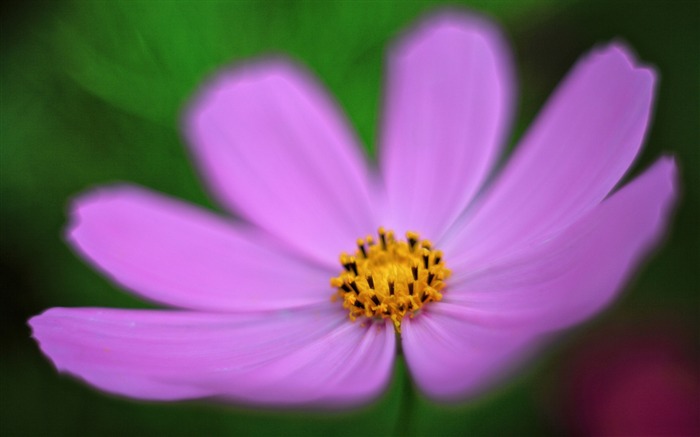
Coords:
619,51
670,169
451,24
102,195
83,204
453,32
670,164
40,326
35,322
236,78
664,174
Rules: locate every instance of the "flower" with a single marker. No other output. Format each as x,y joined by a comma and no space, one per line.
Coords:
545,245
632,379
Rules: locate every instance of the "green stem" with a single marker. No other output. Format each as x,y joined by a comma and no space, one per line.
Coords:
407,403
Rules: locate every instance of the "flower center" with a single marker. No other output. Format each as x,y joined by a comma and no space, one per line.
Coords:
387,278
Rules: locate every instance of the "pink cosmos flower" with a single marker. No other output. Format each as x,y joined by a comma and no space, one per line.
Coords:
267,313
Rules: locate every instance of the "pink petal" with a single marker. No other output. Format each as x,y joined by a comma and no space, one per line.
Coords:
451,356
273,147
494,318
449,100
558,282
313,356
577,151
183,256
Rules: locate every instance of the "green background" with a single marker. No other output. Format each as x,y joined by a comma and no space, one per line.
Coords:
92,92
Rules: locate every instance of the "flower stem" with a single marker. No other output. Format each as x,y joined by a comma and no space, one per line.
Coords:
407,403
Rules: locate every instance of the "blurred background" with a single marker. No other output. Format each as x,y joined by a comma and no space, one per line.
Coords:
91,92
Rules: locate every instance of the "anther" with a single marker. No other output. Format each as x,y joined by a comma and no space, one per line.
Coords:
410,288
390,236
431,276
354,287
359,304
370,281
382,237
391,287
346,288
345,261
375,299
426,258
412,238
361,245
353,265
414,270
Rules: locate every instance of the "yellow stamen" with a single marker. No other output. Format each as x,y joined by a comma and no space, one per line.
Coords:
389,279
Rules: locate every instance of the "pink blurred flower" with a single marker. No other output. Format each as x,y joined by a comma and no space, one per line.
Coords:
640,380
548,244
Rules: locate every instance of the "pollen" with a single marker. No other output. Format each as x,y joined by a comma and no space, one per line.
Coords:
388,278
